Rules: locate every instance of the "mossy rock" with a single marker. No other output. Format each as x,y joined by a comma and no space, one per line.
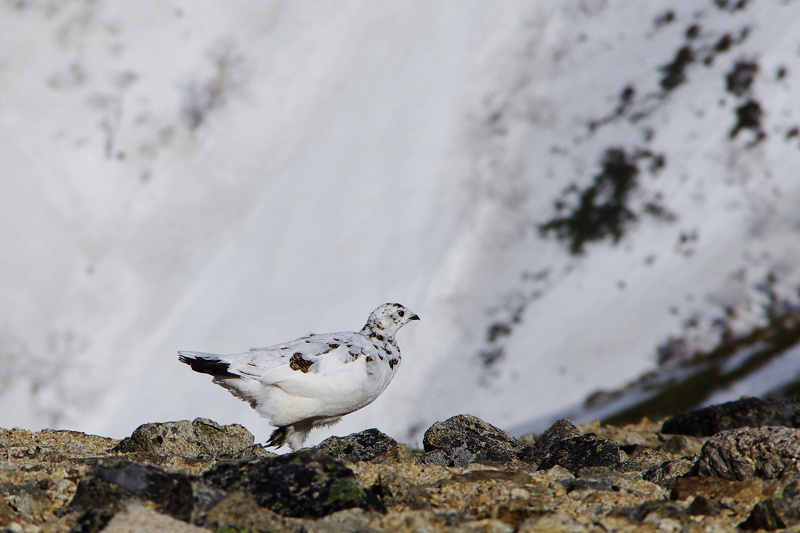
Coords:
101,493
362,446
305,484
583,451
465,439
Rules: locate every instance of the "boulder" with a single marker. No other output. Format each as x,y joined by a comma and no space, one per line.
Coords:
104,490
559,431
466,439
667,471
748,412
780,510
363,446
749,453
307,483
188,439
562,444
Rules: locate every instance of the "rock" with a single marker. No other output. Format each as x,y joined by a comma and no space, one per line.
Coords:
489,493
607,479
307,483
101,493
363,446
701,506
780,510
749,453
394,489
667,471
644,434
563,444
735,498
559,431
137,518
27,499
7,513
657,509
356,520
240,512
188,439
23,447
583,451
596,479
67,481
458,457
249,454
763,517
556,522
682,445
643,459
465,439
749,412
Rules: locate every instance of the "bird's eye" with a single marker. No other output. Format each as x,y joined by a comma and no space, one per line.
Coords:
401,313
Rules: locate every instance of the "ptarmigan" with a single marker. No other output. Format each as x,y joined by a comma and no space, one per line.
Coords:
314,380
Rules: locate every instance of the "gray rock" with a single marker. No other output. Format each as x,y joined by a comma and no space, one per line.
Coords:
27,499
664,473
702,506
681,444
583,451
240,513
8,514
308,484
363,446
251,453
655,511
465,439
395,489
748,412
763,517
597,479
188,439
559,431
749,453
779,511
458,457
643,459
101,493
562,444
138,518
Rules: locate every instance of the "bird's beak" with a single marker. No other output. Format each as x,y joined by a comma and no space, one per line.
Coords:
415,317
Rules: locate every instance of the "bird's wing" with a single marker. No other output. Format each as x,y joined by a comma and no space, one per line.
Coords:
303,357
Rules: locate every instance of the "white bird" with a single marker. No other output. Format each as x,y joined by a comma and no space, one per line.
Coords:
314,380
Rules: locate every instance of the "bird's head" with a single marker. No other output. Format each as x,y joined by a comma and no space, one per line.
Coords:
388,318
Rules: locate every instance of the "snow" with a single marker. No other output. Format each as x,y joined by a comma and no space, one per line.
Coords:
779,371
221,175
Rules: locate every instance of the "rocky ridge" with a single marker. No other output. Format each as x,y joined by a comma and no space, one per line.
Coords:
471,476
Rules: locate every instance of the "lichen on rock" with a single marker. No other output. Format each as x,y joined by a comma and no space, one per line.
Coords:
188,439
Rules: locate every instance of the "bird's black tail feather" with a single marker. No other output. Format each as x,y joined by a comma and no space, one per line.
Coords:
278,437
207,365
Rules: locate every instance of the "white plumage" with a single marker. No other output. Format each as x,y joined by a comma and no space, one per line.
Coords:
314,380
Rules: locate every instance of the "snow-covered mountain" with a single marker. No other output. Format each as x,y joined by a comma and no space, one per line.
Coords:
567,193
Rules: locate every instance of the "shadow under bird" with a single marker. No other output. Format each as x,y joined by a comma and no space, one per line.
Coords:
314,380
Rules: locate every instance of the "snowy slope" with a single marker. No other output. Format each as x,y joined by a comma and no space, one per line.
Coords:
221,175
592,322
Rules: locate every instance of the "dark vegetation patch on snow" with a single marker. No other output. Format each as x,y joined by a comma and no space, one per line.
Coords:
691,382
604,209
